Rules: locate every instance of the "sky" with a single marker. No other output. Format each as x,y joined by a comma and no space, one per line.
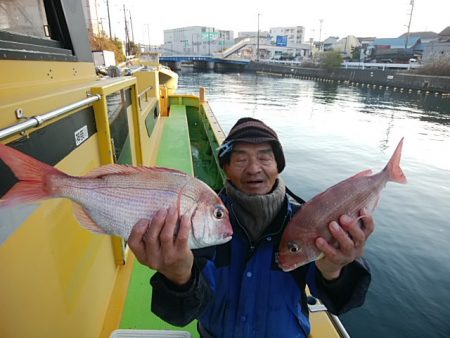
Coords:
362,18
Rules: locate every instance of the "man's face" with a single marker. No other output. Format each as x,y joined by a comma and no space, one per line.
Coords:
252,168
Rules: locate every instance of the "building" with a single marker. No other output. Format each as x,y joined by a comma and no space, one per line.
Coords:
425,37
196,40
347,45
437,48
290,35
329,43
395,50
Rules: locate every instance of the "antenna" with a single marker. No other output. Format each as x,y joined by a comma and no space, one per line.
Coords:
409,24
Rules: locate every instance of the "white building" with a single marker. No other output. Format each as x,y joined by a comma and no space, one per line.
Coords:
347,45
196,40
292,35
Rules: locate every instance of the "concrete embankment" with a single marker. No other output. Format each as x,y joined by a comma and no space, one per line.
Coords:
395,79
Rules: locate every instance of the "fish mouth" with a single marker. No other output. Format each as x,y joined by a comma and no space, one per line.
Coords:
287,268
283,263
226,237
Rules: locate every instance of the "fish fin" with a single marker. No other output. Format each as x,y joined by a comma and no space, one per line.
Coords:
24,192
165,169
33,176
85,220
393,167
363,173
126,170
375,205
112,169
180,195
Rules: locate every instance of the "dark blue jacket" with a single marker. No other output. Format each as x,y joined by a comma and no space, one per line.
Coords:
238,290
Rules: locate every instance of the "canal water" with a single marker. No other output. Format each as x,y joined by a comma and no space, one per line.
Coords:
330,132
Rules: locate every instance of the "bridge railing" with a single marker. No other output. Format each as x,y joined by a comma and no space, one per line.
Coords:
365,65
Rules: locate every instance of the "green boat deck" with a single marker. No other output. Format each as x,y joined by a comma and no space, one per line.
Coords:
175,152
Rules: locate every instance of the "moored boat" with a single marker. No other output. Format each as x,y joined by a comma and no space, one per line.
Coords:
58,279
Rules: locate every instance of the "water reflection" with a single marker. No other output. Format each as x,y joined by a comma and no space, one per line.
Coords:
326,92
330,132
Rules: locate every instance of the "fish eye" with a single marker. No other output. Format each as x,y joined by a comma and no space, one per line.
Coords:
293,247
218,212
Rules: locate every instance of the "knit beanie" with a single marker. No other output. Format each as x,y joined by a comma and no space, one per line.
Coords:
251,130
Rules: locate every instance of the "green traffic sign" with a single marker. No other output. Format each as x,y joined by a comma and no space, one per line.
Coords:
210,36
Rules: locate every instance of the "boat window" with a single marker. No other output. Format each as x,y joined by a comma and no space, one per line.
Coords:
118,105
38,30
26,17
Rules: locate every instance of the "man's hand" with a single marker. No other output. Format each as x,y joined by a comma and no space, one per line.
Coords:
351,239
157,244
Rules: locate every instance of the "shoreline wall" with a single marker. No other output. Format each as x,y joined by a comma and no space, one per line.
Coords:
375,77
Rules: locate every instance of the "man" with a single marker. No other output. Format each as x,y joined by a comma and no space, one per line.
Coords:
237,289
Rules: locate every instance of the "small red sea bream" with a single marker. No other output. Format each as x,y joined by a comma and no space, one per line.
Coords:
297,246
112,198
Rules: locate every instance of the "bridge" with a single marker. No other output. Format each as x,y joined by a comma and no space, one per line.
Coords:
205,62
204,58
223,60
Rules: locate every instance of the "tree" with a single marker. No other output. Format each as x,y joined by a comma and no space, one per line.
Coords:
135,49
103,42
356,53
331,60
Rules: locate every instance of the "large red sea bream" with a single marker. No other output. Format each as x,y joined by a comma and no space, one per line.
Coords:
297,246
112,198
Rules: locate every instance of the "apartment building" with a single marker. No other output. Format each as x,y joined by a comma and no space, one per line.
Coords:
196,40
292,35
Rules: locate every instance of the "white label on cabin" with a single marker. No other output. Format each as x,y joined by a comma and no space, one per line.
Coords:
81,135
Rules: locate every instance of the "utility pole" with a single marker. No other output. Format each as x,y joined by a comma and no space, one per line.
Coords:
257,41
320,35
409,24
131,25
148,35
109,19
127,45
96,15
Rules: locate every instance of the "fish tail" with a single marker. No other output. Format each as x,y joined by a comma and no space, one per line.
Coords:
393,167
33,184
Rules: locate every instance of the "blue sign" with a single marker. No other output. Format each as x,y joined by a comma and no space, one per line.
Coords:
281,40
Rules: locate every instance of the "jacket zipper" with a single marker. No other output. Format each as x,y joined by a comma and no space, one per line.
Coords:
252,245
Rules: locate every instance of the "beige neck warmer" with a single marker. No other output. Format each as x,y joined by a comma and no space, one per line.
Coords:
256,212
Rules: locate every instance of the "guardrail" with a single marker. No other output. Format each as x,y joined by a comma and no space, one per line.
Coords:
353,65
364,65
37,120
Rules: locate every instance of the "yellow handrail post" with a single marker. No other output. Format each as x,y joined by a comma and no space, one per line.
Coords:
164,102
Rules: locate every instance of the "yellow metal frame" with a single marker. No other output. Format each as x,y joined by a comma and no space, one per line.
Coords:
104,138
49,256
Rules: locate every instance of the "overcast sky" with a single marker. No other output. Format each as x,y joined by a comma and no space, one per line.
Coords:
377,18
